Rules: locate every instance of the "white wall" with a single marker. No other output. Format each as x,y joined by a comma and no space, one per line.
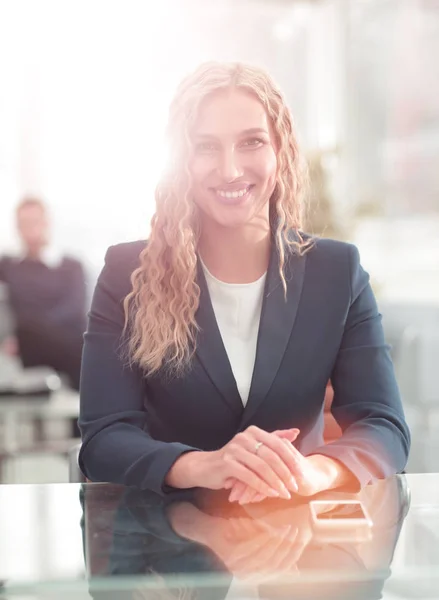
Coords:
86,85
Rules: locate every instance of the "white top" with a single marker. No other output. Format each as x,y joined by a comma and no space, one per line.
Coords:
237,308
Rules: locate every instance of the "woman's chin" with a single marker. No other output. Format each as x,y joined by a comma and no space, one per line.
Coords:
234,221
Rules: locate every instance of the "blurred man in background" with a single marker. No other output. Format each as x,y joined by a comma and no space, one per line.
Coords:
47,295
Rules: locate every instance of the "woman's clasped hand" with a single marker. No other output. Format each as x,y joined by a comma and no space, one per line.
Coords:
254,465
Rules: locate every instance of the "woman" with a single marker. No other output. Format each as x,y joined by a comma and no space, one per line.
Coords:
209,347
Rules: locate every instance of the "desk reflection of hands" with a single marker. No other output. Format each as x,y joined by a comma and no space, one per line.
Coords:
264,545
269,544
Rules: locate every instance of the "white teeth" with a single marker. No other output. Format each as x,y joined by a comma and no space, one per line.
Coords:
238,194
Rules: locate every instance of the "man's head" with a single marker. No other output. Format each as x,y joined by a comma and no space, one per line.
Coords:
33,224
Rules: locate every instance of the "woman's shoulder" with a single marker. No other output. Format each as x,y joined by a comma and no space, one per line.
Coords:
120,262
125,256
335,262
326,250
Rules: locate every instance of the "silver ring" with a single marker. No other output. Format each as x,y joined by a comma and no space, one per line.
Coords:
257,447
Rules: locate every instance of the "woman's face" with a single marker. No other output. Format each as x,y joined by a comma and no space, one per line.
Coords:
234,163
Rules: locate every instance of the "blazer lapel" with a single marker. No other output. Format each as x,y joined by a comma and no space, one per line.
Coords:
211,351
276,324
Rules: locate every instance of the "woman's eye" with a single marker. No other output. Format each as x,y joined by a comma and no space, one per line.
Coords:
253,143
205,147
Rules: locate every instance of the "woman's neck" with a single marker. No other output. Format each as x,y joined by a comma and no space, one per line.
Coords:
236,255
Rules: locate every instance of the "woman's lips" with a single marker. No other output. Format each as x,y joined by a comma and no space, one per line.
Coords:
232,196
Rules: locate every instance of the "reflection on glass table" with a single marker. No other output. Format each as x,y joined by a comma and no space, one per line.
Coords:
107,541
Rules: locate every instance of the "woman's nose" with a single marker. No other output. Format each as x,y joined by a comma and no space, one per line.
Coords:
229,167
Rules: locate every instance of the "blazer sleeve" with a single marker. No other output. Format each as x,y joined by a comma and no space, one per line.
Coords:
116,446
376,440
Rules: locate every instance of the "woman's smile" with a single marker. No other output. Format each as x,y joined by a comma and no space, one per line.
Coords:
233,195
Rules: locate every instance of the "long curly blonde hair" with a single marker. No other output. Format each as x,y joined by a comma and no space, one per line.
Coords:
160,311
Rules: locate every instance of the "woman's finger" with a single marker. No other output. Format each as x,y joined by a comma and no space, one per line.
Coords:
298,459
247,496
256,481
259,497
274,458
244,495
229,483
288,434
287,464
237,490
268,466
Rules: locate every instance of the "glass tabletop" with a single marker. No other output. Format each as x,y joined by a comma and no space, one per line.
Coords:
105,541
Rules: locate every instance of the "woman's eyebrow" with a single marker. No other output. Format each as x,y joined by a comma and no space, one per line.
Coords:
254,130
251,131
206,135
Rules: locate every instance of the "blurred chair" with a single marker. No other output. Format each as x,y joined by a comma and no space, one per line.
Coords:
398,316
6,319
413,332
75,473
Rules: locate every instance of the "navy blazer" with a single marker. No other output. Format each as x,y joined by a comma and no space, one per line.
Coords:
134,428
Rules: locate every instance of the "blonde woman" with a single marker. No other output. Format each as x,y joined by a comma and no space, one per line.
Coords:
209,346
